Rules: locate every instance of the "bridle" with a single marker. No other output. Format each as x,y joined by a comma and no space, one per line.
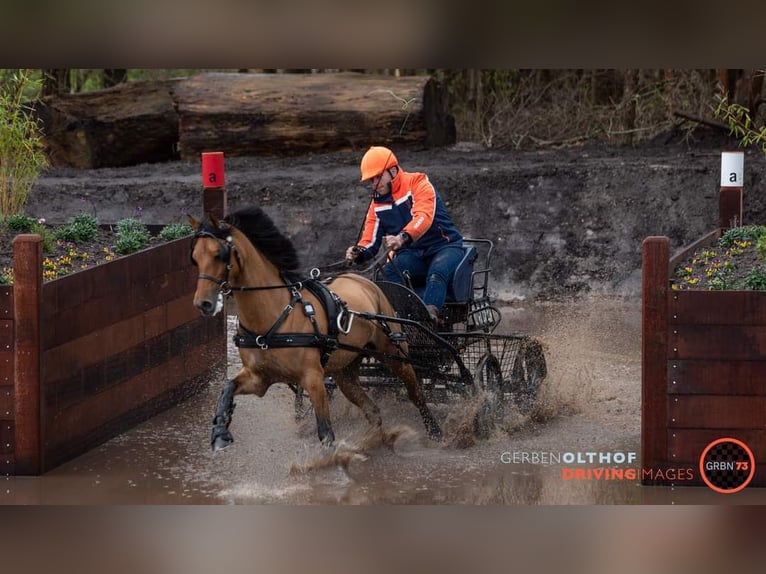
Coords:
227,247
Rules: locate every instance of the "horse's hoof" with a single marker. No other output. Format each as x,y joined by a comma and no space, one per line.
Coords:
221,441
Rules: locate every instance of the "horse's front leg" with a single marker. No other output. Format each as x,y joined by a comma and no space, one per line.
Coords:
244,382
313,383
221,437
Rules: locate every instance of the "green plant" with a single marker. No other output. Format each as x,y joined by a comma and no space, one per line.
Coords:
741,125
743,233
45,234
760,246
132,235
82,227
175,231
756,280
6,276
20,223
22,155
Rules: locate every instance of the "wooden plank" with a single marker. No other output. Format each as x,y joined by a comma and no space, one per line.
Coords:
7,465
717,377
6,334
99,410
717,342
687,445
7,406
7,437
7,359
716,412
100,312
654,352
718,308
180,311
7,352
64,386
6,302
27,290
685,252
94,347
65,450
730,212
214,201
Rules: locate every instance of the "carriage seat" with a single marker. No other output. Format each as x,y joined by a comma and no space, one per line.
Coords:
459,289
460,285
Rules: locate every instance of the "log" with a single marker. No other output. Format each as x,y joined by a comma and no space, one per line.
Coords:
127,124
241,115
291,114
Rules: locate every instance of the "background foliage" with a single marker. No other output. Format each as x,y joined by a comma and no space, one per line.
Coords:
540,107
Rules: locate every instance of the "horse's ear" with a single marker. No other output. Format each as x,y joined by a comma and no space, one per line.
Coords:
193,222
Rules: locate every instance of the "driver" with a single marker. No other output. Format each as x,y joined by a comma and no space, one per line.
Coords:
408,216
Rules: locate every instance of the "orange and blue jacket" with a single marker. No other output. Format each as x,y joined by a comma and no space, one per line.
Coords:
413,206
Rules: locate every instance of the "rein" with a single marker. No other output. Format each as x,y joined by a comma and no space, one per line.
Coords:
340,320
228,247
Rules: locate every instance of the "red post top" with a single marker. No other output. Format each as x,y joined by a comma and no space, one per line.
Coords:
212,169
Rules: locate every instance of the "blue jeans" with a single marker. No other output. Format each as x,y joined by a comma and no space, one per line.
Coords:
433,271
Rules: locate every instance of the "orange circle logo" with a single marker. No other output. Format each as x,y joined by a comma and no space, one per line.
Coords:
727,465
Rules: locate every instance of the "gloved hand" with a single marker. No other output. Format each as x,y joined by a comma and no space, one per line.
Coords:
352,253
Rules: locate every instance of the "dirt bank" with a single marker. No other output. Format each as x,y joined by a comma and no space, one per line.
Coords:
564,221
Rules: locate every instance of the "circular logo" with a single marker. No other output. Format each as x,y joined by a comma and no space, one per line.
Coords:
727,465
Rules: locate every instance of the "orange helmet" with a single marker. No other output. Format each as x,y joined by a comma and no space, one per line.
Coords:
377,160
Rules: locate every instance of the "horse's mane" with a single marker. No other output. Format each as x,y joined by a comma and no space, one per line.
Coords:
263,234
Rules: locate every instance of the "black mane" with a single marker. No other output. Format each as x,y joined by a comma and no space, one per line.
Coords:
263,234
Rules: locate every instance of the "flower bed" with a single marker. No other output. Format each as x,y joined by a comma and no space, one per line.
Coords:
81,243
734,262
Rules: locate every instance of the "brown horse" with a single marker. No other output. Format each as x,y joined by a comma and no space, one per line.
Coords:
247,256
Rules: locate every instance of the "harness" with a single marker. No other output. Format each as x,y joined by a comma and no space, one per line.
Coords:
339,317
339,320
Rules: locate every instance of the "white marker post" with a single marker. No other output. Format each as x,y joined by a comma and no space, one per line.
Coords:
730,198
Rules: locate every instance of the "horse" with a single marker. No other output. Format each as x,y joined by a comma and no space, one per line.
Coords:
285,333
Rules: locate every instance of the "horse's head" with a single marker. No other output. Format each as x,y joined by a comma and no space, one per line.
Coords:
212,251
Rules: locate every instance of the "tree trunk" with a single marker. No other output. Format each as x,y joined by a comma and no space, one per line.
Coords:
244,114
288,114
128,124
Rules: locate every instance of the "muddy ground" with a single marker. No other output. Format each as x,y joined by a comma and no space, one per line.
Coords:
564,221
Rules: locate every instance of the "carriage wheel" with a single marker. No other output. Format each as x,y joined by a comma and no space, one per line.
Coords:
488,379
529,370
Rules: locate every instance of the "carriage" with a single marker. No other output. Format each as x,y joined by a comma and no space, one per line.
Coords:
460,356
356,333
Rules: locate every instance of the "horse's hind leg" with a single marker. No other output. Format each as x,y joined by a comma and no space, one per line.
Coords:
407,375
348,383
